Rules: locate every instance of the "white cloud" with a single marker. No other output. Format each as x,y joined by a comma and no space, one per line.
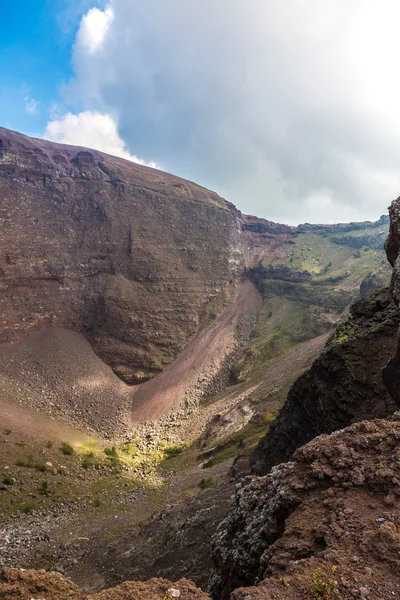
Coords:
94,28
91,130
31,105
277,105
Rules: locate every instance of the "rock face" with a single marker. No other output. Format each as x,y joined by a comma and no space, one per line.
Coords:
330,516
126,254
344,385
391,373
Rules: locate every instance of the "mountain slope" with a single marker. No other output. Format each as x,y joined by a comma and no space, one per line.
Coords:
140,262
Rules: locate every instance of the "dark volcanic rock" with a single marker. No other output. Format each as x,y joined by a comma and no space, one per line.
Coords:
343,386
332,511
391,373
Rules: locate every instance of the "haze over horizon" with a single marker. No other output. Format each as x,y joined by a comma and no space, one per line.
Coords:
289,110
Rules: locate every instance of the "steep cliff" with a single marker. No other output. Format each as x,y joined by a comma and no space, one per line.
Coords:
124,253
344,385
391,373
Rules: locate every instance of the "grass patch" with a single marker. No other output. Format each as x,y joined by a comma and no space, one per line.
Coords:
88,460
30,463
66,449
174,450
111,451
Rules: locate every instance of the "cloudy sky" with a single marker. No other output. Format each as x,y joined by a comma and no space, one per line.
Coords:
288,108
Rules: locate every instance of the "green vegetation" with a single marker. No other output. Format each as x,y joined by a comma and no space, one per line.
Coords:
242,442
324,259
111,451
344,333
66,448
174,450
8,480
88,460
30,463
206,483
212,309
294,322
44,489
324,586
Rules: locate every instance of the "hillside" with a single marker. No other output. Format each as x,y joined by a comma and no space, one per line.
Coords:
139,262
150,334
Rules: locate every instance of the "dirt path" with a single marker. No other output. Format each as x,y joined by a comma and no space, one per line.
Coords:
199,362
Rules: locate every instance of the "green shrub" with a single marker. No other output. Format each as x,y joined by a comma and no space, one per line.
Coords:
44,489
87,460
206,483
8,480
66,448
110,451
323,586
114,461
174,450
20,444
31,464
41,467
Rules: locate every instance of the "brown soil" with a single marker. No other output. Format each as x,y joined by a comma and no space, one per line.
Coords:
24,585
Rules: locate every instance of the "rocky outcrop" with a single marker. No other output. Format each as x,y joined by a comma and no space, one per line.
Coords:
341,227
124,253
391,373
374,281
343,386
26,585
329,517
372,240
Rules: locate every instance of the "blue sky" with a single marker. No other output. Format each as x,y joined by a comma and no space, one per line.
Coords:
287,109
34,59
